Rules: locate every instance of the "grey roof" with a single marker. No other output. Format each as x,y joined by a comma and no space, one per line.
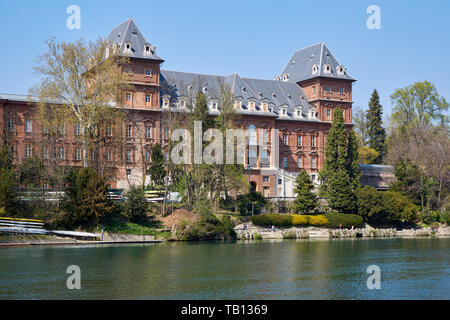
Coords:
278,93
129,32
300,66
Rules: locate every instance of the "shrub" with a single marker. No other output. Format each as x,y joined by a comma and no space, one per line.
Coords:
136,206
370,205
289,235
444,217
344,220
300,220
278,220
318,221
257,236
434,225
398,207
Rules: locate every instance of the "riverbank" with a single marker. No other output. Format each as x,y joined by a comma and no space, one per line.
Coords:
256,232
108,238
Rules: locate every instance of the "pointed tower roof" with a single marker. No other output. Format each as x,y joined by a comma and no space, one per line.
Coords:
128,33
314,61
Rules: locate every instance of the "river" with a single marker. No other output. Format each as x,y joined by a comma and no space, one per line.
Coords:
284,269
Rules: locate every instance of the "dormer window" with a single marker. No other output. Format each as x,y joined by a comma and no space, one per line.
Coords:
340,70
327,68
165,102
283,111
251,105
128,47
147,49
148,72
285,77
182,103
315,68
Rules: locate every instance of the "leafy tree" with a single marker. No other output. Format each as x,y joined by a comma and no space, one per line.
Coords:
360,121
398,207
157,172
339,175
306,200
86,198
8,197
418,105
82,80
250,202
136,206
376,133
367,155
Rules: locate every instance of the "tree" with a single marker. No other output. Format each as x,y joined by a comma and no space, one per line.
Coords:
80,78
370,205
157,172
339,175
376,133
86,198
306,200
8,197
360,121
419,105
367,155
136,206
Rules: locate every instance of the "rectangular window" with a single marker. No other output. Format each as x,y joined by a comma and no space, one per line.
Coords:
265,135
128,97
93,154
77,154
11,124
129,131
299,141
313,141
328,112
313,163
12,151
128,156
109,131
77,130
147,156
62,153
314,90
148,72
341,90
148,98
109,156
299,162
285,139
45,152
265,179
28,126
148,132
284,162
328,89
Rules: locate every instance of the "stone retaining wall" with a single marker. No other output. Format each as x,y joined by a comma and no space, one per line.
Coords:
253,232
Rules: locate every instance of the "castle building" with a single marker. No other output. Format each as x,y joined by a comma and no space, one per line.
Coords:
298,105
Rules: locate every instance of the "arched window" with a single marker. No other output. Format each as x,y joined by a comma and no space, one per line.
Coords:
265,157
252,156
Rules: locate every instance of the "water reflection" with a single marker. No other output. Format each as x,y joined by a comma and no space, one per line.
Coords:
289,269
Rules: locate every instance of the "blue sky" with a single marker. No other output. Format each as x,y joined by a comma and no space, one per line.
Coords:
253,38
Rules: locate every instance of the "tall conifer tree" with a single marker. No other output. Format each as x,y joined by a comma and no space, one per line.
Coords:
338,175
306,200
377,134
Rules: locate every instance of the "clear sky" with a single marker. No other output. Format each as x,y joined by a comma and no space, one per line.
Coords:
253,38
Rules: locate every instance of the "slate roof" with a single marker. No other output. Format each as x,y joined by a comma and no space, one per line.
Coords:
278,93
129,32
300,66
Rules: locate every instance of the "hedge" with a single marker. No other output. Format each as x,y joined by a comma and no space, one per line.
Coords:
330,220
344,220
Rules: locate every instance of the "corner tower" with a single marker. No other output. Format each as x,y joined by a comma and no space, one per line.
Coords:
324,80
144,67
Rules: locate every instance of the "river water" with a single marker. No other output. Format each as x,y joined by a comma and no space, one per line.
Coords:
284,269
